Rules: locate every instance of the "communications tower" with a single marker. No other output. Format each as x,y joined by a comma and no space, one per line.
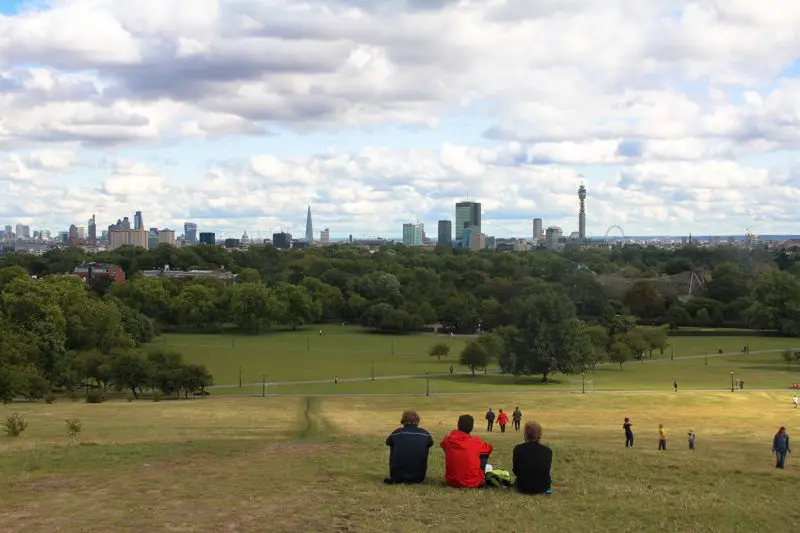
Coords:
582,213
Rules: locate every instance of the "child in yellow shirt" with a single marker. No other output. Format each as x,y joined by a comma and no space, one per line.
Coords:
662,437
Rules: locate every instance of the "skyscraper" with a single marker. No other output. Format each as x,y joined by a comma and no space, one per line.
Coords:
309,227
582,213
468,217
190,233
138,223
92,231
412,234
537,229
445,238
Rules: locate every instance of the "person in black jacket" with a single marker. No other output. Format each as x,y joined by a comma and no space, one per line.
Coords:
532,462
409,447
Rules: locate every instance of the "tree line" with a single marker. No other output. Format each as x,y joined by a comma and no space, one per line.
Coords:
399,288
56,334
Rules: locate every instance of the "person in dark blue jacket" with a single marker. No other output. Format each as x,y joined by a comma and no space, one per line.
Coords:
409,447
780,447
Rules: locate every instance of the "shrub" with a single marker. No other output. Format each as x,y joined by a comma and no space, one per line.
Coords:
73,428
157,395
130,397
49,398
73,395
95,396
14,425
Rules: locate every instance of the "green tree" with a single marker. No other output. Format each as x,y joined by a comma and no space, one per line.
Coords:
599,341
643,300
129,371
478,353
656,339
620,353
196,305
299,308
439,350
678,316
253,306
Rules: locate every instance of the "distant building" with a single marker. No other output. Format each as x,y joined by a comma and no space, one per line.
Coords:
490,243
91,271
92,231
538,234
325,236
232,244
152,239
468,217
208,238
445,233
552,237
190,233
138,220
412,234
299,244
309,227
129,237
166,236
282,240
221,275
477,241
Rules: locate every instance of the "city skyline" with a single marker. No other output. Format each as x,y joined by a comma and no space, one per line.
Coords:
679,117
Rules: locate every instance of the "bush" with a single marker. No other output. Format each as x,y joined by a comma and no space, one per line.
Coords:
49,398
95,396
73,395
14,425
157,395
130,397
73,428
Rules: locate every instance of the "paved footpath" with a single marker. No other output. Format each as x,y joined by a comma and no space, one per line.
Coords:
445,374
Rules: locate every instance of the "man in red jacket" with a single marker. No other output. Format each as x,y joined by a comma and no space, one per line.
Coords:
465,456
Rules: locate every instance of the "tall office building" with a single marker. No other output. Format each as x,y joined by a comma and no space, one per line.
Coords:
190,233
468,218
325,236
282,240
412,234
92,230
166,236
127,237
9,229
445,237
582,213
537,230
309,227
208,237
553,237
138,222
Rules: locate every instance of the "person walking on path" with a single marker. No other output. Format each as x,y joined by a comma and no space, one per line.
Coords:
489,420
675,386
662,438
780,447
516,416
502,420
692,438
741,384
627,426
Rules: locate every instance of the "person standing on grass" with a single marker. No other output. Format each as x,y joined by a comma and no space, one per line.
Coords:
465,456
502,420
489,420
692,438
532,463
780,447
794,401
675,386
741,384
662,438
408,451
627,426
516,416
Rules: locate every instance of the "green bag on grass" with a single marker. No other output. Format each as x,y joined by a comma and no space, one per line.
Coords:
499,479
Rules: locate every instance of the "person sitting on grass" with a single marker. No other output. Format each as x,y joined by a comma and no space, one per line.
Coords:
408,451
465,456
532,462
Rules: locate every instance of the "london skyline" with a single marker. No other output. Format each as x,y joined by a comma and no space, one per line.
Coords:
679,117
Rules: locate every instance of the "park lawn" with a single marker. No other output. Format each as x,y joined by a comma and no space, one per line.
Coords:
351,352
759,371
295,464
305,355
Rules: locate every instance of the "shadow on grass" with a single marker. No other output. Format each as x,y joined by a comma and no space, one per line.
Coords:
312,421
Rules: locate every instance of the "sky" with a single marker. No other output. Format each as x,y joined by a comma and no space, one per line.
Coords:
678,116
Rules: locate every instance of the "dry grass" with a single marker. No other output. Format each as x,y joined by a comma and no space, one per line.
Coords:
276,465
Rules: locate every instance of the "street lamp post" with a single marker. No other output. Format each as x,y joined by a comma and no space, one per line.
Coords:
732,389
427,384
583,383
263,385
706,358
240,377
672,353
373,370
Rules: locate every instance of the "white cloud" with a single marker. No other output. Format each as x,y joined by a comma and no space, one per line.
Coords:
664,99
